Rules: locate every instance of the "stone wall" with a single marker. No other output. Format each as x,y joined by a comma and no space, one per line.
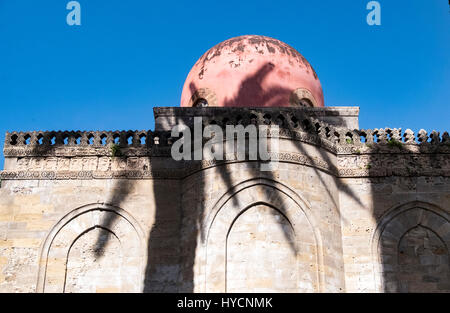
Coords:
346,210
394,239
46,227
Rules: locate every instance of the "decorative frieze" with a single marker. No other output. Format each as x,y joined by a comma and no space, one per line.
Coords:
370,152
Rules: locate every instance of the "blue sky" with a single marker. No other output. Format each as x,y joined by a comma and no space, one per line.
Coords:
130,56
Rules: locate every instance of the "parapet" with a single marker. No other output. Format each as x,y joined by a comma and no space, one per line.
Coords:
167,117
325,128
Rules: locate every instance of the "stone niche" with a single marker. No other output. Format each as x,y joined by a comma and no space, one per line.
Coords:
97,248
265,244
413,248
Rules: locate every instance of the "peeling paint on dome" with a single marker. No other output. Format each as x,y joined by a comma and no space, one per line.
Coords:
253,71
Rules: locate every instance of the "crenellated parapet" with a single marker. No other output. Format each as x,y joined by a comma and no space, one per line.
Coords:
84,138
131,154
324,124
73,143
315,131
381,140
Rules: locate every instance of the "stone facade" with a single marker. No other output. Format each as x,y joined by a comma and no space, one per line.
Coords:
347,210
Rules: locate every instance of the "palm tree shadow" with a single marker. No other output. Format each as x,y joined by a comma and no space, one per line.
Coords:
171,254
173,237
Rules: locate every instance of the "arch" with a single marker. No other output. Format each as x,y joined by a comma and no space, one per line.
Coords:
56,247
247,194
394,225
201,103
302,97
203,93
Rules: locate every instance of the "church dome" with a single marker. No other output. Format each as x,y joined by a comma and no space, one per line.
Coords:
252,71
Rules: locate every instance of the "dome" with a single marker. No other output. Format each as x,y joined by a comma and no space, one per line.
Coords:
252,71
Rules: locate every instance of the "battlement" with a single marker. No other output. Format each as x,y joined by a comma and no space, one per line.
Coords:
147,153
326,127
82,138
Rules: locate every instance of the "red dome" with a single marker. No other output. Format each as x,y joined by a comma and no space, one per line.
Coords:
252,71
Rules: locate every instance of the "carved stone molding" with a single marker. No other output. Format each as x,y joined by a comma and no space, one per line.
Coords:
377,165
349,165
381,152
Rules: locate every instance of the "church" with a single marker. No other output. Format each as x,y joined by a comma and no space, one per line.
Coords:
346,209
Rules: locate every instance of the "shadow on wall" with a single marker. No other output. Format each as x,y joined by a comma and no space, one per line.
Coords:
171,248
413,241
412,238
182,251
